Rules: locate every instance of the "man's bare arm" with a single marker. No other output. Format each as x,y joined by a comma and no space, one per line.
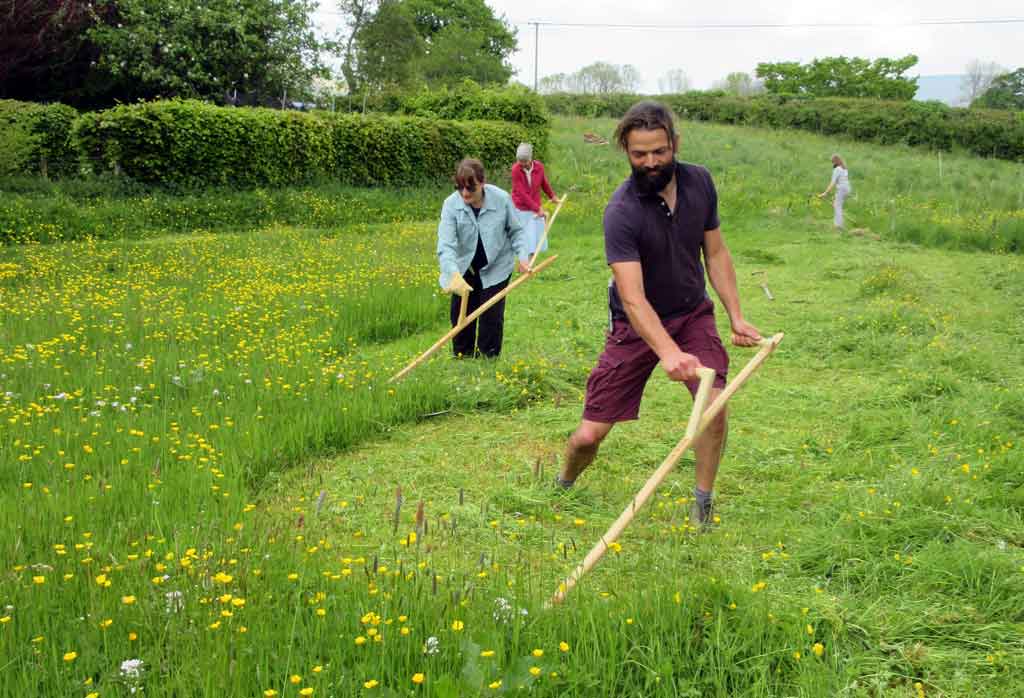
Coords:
722,275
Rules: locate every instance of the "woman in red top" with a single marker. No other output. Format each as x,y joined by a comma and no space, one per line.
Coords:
528,179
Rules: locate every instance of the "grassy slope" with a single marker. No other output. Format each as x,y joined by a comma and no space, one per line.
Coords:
848,515
844,487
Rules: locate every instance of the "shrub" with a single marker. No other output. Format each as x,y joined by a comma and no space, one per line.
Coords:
989,133
195,144
35,139
470,102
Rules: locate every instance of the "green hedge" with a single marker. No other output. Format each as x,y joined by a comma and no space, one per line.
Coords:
991,133
35,139
466,102
471,102
194,144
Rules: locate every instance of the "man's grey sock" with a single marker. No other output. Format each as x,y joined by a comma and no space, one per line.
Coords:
703,499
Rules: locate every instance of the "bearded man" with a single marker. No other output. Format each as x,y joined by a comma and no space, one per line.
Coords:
661,231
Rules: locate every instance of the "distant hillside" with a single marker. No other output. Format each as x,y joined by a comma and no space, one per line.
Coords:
944,88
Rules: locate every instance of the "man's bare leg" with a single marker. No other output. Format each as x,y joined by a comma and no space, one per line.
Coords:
708,454
581,449
708,448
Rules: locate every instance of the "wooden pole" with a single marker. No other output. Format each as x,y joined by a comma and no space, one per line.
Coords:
707,379
547,226
595,554
462,310
523,278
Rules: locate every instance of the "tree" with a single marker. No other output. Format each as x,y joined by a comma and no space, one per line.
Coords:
207,48
387,47
466,26
1005,92
44,52
630,78
454,54
559,82
674,81
326,91
604,78
439,42
977,79
739,84
596,78
92,54
357,14
882,78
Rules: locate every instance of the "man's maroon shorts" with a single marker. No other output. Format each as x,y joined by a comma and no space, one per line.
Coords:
617,382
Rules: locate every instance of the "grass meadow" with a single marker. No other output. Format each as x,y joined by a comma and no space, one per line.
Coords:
209,488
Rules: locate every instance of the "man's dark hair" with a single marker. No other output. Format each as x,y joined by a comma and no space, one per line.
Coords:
469,174
648,115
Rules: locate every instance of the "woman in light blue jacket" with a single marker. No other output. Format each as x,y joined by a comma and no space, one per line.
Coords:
841,182
479,241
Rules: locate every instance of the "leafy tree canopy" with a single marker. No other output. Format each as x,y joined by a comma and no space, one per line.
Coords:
97,53
597,78
434,42
882,78
387,47
739,84
1005,92
44,53
207,48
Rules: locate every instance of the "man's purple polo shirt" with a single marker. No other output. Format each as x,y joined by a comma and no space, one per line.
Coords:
641,228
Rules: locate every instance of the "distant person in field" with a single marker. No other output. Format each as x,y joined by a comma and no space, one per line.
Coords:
528,179
841,183
661,230
479,241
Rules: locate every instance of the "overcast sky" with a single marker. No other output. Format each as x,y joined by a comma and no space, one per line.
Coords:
708,55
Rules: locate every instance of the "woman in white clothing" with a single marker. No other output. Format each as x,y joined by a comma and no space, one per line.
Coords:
841,183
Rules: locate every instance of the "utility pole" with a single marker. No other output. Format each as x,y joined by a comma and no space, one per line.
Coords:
536,50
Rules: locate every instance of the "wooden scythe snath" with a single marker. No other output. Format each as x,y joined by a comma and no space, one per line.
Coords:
465,319
693,430
523,278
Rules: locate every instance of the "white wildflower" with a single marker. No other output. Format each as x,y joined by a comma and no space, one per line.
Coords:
131,668
502,610
175,601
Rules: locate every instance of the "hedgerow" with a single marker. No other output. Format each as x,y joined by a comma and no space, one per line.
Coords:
35,139
990,133
194,144
467,101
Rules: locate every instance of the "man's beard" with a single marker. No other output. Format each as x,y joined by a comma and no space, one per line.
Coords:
652,181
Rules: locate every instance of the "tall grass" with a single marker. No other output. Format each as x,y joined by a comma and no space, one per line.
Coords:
205,470
945,200
35,210
900,193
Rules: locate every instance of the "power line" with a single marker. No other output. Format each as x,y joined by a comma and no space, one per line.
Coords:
537,24
773,25
751,25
